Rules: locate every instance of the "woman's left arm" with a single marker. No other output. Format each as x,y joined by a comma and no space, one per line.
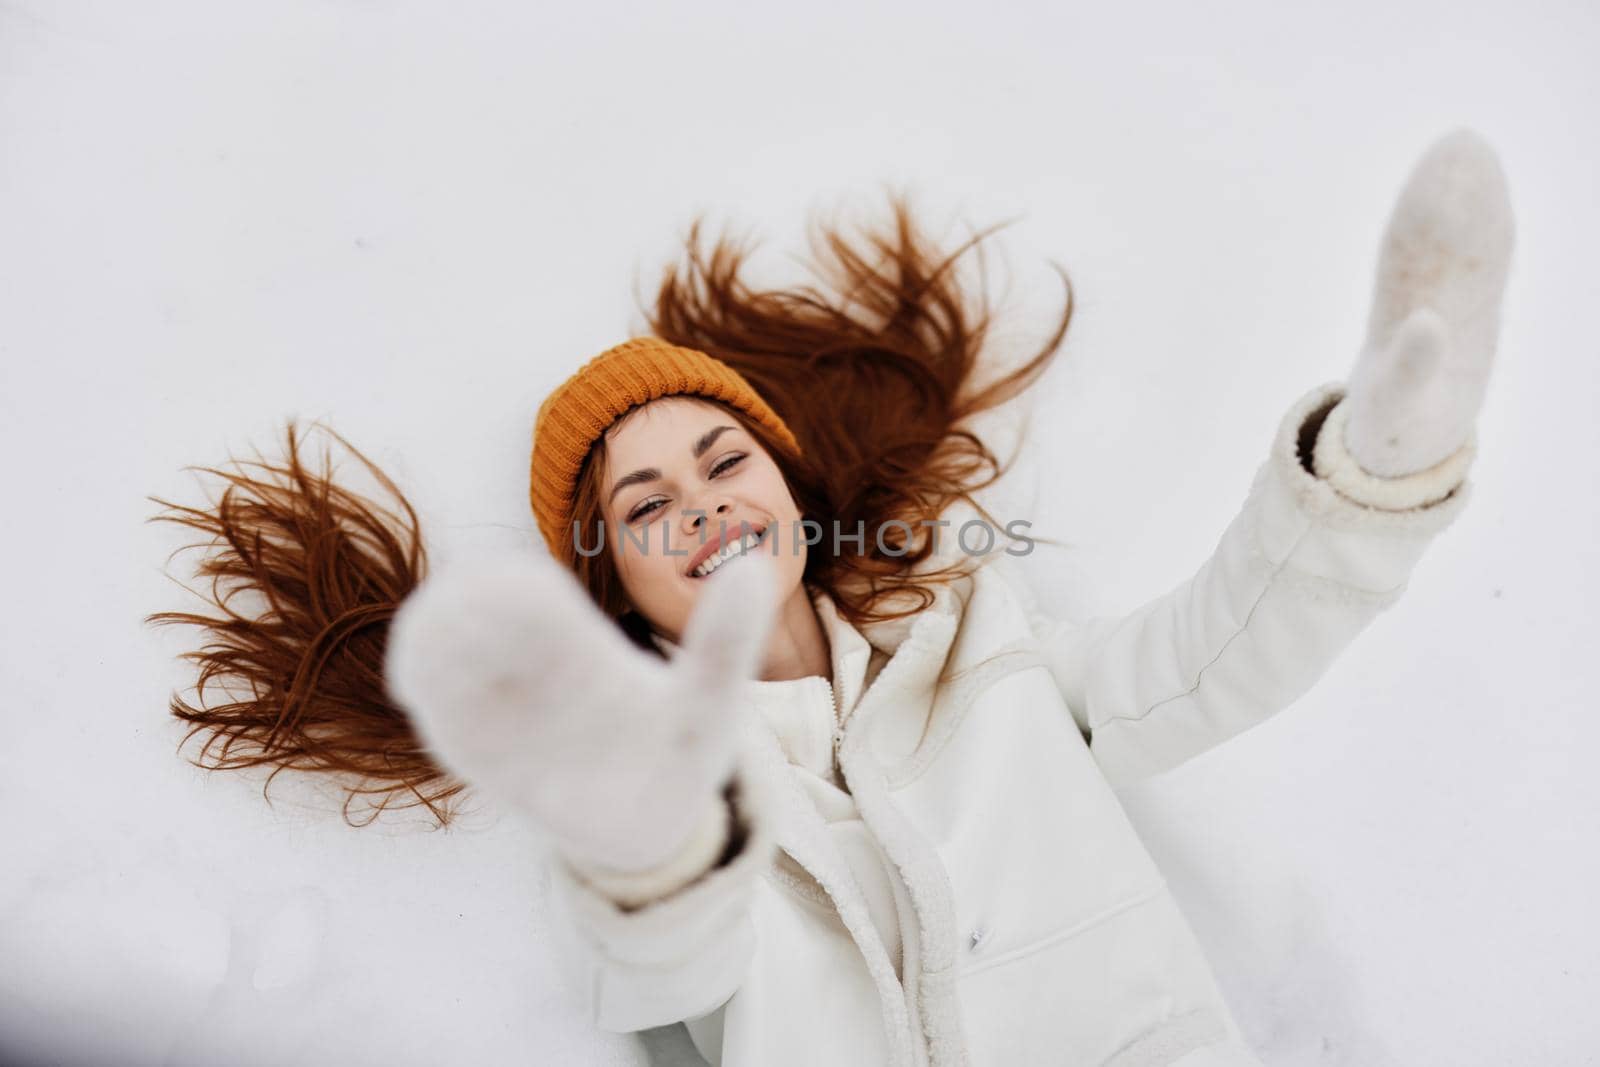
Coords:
1361,478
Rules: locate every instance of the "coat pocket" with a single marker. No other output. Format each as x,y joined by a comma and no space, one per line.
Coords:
1128,988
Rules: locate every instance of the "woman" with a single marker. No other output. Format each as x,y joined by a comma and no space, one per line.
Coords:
824,785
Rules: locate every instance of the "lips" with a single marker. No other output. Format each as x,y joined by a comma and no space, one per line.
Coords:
716,544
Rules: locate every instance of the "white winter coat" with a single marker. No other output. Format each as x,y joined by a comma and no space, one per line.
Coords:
980,745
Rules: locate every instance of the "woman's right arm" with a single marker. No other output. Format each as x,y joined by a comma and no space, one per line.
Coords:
631,765
657,947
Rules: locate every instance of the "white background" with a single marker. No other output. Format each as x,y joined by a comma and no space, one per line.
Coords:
414,219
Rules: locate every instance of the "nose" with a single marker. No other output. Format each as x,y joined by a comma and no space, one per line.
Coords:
707,518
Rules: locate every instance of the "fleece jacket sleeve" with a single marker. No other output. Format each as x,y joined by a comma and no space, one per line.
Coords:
1318,550
641,954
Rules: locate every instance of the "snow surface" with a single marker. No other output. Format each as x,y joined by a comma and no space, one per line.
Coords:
414,219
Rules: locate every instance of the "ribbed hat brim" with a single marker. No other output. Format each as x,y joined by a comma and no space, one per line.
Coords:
581,408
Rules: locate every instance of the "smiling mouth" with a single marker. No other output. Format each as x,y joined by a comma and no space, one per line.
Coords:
760,534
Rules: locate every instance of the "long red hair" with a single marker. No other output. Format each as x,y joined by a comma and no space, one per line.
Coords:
875,372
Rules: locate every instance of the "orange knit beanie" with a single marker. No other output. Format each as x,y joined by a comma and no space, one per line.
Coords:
580,409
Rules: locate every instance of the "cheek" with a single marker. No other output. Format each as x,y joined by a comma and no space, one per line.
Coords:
642,563
775,492
626,554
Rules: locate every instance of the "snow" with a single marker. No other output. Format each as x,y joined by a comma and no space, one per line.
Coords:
413,220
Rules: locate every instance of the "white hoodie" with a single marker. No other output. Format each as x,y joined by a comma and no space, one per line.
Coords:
976,894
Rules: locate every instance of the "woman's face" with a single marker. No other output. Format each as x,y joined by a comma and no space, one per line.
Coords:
678,472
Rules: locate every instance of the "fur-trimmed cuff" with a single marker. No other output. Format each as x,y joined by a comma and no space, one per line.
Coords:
699,854
1334,464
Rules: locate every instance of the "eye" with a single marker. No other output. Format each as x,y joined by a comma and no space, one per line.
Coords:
642,510
650,506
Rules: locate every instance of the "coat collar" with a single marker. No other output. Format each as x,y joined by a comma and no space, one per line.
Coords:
851,646
794,707
914,645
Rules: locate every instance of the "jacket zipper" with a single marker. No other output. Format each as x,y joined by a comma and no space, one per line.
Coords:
838,727
837,771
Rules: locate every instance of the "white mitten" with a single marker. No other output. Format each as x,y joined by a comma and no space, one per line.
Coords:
1416,389
518,683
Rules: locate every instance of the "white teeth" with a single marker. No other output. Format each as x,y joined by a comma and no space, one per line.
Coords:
731,549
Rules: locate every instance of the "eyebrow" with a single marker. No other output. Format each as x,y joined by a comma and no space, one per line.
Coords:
650,474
